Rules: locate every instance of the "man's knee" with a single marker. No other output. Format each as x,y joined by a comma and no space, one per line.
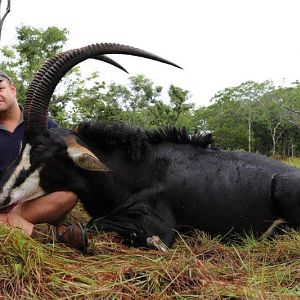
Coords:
57,200
51,208
62,200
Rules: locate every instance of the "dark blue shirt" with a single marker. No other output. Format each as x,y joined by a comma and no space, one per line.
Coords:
10,142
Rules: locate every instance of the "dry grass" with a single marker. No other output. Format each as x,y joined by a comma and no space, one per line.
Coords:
196,267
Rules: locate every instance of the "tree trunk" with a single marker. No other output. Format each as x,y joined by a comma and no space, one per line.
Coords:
275,137
274,145
249,134
2,18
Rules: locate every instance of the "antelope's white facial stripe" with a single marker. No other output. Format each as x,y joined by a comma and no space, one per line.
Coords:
30,187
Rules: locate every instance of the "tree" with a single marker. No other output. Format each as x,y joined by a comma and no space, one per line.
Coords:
291,98
282,124
224,120
244,99
22,60
2,18
129,103
140,102
34,46
91,101
116,101
252,116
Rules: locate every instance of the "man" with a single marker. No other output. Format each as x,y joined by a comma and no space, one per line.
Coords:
38,218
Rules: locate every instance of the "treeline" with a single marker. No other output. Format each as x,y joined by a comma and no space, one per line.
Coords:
252,116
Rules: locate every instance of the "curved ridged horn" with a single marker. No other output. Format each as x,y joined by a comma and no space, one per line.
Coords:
49,75
110,61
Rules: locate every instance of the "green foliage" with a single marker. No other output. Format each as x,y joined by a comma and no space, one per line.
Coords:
252,116
233,113
36,45
255,117
33,47
226,123
138,103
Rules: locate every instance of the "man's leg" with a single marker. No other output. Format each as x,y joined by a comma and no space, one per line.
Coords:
49,209
15,220
52,208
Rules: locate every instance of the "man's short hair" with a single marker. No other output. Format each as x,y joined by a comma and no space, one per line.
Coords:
4,76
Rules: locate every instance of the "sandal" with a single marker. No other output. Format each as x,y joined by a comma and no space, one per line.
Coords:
74,235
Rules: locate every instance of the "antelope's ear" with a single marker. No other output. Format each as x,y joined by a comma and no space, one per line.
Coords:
83,157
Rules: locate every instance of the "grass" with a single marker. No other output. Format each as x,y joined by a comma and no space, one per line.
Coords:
196,267
293,161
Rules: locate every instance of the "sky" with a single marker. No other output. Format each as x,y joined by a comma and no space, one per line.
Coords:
218,43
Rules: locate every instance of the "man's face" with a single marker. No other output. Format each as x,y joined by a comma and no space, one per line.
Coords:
7,95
